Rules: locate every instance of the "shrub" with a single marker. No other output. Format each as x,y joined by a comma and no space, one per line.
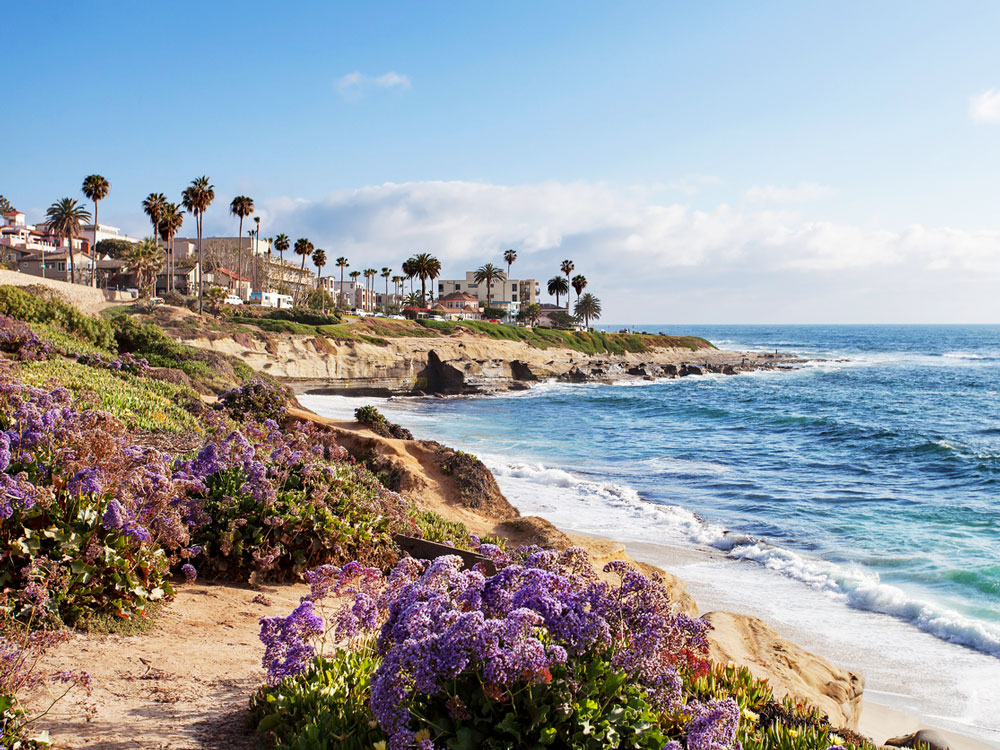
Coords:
20,342
325,708
36,304
86,515
374,420
257,400
541,653
269,505
125,363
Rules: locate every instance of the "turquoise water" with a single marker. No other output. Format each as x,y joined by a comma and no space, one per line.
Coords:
870,476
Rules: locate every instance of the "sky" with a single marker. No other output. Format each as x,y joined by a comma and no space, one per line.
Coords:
709,162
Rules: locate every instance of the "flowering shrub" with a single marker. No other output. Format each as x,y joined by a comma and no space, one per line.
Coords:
268,504
84,515
127,363
257,400
543,652
20,342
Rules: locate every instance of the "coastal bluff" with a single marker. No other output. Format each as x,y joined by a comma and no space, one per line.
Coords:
464,364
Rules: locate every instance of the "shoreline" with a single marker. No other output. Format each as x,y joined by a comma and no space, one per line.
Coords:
881,720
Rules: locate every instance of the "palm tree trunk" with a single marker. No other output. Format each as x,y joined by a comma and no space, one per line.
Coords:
93,252
72,264
239,257
340,291
201,266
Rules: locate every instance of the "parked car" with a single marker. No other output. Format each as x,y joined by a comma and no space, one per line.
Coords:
232,299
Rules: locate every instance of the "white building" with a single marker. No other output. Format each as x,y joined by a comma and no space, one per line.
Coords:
349,294
94,233
507,294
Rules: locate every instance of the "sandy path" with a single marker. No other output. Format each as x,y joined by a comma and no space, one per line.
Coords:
183,685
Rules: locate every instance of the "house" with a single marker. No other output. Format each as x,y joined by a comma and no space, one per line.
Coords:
239,285
506,294
349,294
460,306
94,233
57,263
185,278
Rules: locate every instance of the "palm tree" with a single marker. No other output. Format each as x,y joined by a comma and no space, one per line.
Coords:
370,274
413,300
509,257
153,207
587,307
354,277
409,272
579,284
196,198
319,260
304,248
558,285
170,224
426,266
342,263
65,218
96,188
145,260
567,268
488,274
281,244
241,206
397,284
386,273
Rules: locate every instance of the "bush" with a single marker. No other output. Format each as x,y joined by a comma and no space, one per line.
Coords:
20,342
86,515
257,400
540,654
268,505
325,708
494,313
36,304
374,420
320,299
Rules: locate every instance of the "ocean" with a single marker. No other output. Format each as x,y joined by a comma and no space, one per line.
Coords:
852,503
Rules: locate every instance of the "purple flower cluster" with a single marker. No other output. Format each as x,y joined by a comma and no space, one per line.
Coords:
127,363
713,725
18,340
540,610
257,400
287,641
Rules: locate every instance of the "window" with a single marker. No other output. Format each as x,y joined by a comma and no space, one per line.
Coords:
514,297
458,287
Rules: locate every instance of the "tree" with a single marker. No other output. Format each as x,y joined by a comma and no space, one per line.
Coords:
319,260
509,257
530,314
281,244
386,273
144,260
113,248
567,268
5,207
170,225
579,284
370,274
558,285
425,266
96,188
241,206
409,270
397,284
196,198
65,218
355,275
215,299
487,275
562,319
342,263
413,300
304,248
587,307
153,207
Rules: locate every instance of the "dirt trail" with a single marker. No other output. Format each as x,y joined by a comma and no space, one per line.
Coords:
184,685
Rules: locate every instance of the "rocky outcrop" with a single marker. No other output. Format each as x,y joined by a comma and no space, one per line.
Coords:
790,669
451,365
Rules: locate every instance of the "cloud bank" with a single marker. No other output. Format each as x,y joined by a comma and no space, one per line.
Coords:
356,82
626,238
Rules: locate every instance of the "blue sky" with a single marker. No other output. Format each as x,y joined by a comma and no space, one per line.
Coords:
700,162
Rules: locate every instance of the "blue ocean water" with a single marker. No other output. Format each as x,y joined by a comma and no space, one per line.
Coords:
871,474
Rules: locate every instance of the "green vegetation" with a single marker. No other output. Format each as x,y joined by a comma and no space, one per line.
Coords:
140,403
37,304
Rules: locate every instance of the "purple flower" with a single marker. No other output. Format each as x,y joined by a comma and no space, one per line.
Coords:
114,516
286,640
85,482
190,573
713,725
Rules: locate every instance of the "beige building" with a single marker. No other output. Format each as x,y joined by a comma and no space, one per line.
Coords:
507,294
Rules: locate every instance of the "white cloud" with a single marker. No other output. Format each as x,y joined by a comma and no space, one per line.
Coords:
985,107
633,247
801,193
356,82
